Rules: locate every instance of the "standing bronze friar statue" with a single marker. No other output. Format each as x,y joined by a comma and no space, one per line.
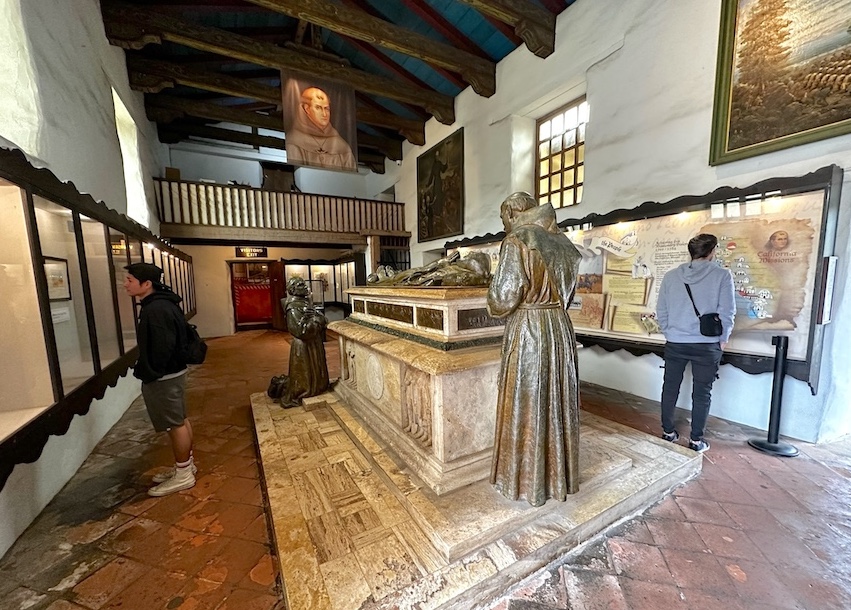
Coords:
308,370
536,449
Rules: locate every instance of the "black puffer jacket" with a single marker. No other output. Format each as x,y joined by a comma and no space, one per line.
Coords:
162,331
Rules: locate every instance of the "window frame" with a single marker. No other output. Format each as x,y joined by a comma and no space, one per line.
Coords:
577,185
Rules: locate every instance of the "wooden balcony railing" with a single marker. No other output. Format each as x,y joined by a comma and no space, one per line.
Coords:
220,205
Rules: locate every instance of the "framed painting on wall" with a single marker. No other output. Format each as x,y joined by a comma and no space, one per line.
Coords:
783,76
440,189
56,271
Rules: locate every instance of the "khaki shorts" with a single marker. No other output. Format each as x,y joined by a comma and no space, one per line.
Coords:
164,400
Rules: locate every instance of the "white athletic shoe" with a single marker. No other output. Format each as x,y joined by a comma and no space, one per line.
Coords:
182,479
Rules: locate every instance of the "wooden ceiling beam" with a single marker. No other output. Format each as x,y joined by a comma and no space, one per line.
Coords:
373,161
392,65
173,133
131,27
355,23
412,129
389,147
200,79
443,27
169,108
158,105
532,22
197,6
218,133
554,6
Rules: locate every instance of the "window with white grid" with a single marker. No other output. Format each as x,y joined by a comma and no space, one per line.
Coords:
561,155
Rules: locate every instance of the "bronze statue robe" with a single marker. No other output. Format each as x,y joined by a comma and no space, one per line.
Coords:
536,449
308,371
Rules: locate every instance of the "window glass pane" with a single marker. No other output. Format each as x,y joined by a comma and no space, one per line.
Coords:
556,200
558,125
555,182
556,161
580,173
544,187
570,138
125,302
157,256
555,144
582,132
580,153
583,112
24,370
295,271
165,265
187,286
135,251
100,285
65,289
568,177
190,286
569,157
544,149
544,131
567,197
570,118
545,167
180,266
579,190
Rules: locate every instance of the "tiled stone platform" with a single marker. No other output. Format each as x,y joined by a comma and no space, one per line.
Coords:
354,530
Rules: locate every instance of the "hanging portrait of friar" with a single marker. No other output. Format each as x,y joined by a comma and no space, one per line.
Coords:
319,123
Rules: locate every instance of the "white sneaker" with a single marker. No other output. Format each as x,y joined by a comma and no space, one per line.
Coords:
165,475
182,479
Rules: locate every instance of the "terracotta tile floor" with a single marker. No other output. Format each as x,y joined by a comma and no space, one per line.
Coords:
752,531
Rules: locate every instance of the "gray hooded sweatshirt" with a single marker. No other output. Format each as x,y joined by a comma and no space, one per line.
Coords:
713,291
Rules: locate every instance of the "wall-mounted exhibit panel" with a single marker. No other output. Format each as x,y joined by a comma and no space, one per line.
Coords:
773,237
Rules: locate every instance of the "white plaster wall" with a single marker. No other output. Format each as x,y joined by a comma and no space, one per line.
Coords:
199,162
328,182
648,69
58,69
214,300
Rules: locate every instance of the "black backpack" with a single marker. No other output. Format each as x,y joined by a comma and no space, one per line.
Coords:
194,351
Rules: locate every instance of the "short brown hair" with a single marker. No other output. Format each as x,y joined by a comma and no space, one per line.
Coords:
701,245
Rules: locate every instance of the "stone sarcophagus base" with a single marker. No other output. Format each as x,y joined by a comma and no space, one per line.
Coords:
435,408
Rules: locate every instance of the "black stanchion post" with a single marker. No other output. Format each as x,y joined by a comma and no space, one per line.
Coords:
772,445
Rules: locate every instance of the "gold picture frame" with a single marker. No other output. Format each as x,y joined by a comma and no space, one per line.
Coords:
783,76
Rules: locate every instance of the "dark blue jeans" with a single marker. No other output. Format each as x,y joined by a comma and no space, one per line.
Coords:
705,359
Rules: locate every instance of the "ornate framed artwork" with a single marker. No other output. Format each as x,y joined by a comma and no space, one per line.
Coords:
783,76
440,189
56,271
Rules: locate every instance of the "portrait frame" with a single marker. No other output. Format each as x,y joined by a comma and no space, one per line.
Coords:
58,285
798,103
440,189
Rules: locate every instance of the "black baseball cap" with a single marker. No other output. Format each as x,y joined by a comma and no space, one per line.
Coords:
145,272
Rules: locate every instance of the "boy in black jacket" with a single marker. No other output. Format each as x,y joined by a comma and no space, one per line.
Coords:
160,335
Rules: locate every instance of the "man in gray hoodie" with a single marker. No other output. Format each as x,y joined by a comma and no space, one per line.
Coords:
713,292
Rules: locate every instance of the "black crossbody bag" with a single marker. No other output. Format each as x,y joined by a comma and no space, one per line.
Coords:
710,323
